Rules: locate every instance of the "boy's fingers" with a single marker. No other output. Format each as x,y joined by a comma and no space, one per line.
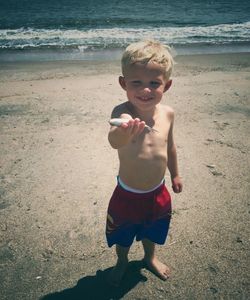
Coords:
124,125
130,126
177,188
141,127
135,126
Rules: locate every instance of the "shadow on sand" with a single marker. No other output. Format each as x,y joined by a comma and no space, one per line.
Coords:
96,287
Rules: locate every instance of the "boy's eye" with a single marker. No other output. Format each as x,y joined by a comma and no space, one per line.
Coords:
136,82
155,83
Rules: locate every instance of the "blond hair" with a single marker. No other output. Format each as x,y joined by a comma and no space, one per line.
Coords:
149,51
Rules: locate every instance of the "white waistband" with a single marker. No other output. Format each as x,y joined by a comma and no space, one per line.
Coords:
129,189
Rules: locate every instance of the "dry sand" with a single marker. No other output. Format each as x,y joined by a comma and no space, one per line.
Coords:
58,172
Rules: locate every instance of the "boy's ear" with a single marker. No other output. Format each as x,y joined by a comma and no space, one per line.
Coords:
122,82
168,85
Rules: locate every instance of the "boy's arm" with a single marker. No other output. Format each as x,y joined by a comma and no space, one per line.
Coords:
122,135
172,159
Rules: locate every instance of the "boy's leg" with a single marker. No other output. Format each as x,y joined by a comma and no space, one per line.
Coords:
152,261
119,269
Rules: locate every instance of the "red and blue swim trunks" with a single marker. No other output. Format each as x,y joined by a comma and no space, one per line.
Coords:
138,215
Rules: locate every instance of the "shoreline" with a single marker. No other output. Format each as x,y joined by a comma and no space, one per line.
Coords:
185,60
47,55
72,68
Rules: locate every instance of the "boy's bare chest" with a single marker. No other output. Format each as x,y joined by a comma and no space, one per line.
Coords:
150,143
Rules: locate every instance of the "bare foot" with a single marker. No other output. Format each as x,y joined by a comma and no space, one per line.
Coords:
117,273
158,268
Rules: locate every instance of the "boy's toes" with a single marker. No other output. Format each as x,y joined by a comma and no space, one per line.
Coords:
159,269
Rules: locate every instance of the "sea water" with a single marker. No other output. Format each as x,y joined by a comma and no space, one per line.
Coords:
100,29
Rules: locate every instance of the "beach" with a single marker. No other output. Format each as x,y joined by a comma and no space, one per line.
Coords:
58,172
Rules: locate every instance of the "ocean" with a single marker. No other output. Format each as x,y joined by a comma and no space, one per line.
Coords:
99,29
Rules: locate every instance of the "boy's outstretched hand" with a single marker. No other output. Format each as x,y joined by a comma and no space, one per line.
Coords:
133,127
177,184
125,132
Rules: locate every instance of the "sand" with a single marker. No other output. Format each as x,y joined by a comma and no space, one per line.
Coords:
58,172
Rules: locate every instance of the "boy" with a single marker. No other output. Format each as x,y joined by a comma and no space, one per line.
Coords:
141,205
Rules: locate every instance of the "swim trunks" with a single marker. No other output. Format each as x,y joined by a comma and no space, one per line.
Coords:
138,215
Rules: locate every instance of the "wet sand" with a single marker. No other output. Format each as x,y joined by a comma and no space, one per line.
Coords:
58,171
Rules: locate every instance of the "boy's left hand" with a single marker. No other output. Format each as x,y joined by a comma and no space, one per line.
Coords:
177,184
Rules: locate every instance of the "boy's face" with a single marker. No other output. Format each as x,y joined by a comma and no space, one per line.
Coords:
144,84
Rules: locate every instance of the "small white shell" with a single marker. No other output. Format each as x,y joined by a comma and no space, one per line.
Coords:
119,121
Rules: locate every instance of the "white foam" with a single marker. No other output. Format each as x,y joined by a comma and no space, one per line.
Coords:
108,38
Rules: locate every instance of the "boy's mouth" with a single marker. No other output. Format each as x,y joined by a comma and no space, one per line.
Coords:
144,99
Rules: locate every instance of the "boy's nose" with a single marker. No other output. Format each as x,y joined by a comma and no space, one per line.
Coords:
146,89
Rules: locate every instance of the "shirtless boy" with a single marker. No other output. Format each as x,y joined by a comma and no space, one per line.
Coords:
140,206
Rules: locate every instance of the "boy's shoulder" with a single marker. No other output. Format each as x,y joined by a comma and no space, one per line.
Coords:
167,110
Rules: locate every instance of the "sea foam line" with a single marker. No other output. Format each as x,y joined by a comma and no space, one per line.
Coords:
113,37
